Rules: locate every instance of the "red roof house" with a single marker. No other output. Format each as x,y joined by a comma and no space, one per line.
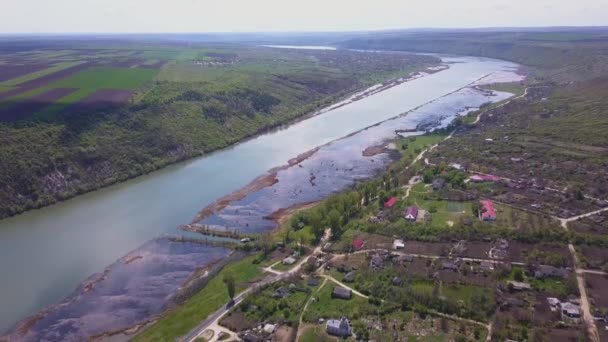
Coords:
358,243
487,212
390,203
411,213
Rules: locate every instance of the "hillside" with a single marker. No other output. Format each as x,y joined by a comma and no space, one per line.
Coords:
77,116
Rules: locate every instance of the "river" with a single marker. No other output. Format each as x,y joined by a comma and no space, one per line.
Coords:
47,253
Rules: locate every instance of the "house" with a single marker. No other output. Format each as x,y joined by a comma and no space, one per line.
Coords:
487,212
449,265
456,166
349,277
338,327
376,262
289,260
570,310
411,213
270,328
281,292
358,244
438,184
401,259
249,337
547,271
486,266
398,244
312,281
519,286
341,293
390,203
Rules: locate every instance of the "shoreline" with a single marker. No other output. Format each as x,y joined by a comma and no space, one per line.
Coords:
264,180
343,98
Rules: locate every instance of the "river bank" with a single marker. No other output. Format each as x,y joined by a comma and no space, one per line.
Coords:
169,198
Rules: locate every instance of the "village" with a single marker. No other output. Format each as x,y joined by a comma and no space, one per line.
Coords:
435,250
452,289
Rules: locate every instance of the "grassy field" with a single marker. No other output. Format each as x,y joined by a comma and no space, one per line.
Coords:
316,333
182,319
32,76
327,307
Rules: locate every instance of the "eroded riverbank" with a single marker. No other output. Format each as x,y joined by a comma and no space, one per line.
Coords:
138,212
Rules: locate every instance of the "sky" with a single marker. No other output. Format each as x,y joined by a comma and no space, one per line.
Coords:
165,16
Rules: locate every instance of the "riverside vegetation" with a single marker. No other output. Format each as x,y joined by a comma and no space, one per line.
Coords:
99,113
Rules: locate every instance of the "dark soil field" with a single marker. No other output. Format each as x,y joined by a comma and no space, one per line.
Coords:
103,98
44,80
427,248
596,224
24,109
129,63
597,286
593,257
156,65
518,252
8,72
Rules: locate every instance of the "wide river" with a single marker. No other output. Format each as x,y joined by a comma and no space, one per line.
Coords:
47,253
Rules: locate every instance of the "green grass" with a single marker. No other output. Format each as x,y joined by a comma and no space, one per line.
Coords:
316,334
328,308
181,320
90,80
444,210
107,78
38,74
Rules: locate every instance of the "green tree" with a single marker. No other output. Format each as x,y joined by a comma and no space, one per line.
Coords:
230,283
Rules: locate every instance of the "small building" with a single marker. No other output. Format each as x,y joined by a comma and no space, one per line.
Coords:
519,286
249,337
289,260
341,293
456,166
487,212
486,266
338,327
281,292
349,277
570,310
411,213
358,244
376,262
270,328
401,259
390,203
449,265
398,244
312,281
438,184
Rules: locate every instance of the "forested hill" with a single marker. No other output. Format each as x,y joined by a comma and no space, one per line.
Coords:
561,56
75,117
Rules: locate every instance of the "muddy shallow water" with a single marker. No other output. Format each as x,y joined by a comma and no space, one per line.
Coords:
339,164
130,290
47,253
